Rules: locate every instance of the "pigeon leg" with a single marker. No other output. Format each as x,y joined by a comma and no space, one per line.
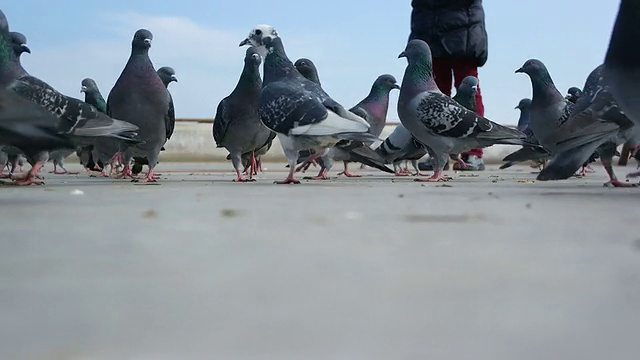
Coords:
398,170
12,167
151,176
322,175
30,178
436,177
63,172
290,179
347,173
254,166
127,173
613,180
414,163
236,160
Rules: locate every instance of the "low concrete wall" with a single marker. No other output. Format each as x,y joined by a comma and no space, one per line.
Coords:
194,142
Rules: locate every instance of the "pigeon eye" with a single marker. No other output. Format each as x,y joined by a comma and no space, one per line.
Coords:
258,32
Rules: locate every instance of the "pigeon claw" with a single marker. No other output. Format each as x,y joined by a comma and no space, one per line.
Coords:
288,181
617,183
349,175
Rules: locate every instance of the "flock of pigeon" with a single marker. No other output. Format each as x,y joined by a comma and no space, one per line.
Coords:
130,129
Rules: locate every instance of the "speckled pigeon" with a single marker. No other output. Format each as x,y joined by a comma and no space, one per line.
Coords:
140,97
597,123
237,126
302,114
439,122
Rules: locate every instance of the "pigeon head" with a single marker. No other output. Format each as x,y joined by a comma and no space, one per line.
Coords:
308,69
260,36
386,82
19,43
469,85
573,94
167,74
416,50
252,56
524,104
532,67
142,39
88,85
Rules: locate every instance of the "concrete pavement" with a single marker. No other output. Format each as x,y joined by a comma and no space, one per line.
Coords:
491,265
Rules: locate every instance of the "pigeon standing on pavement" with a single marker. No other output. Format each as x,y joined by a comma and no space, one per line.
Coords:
467,92
596,124
140,97
237,126
167,75
401,146
303,115
538,156
92,96
524,121
439,122
622,62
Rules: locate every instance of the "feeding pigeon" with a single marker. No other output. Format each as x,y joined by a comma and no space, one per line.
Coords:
597,123
573,94
373,109
439,122
297,109
167,75
622,62
237,126
140,97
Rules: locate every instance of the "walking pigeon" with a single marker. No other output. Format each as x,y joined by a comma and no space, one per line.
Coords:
597,123
140,97
439,122
622,62
237,126
303,115
373,109
538,155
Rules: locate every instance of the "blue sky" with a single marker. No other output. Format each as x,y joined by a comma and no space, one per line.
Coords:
352,42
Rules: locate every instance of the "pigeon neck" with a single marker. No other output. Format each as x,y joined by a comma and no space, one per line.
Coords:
95,98
544,90
6,60
276,64
377,102
467,100
250,81
418,77
312,76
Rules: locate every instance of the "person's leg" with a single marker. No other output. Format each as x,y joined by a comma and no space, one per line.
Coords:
443,74
461,69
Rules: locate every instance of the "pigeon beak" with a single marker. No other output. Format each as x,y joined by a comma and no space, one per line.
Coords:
83,89
245,42
147,42
25,48
174,78
521,70
474,88
396,86
517,107
402,54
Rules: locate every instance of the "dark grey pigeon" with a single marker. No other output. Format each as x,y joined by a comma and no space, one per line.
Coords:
538,155
573,94
168,75
140,97
596,125
92,96
524,121
19,45
439,122
237,126
303,115
549,109
622,62
7,56
372,109
467,92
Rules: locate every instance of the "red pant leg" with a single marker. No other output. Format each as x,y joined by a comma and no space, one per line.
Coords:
442,72
461,69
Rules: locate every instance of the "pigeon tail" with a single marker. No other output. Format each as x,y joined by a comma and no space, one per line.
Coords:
369,157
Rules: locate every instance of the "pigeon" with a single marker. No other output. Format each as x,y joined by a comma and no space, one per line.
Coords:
237,126
401,146
467,92
622,61
597,123
439,122
167,75
538,156
573,94
92,96
140,97
524,121
549,109
373,109
303,115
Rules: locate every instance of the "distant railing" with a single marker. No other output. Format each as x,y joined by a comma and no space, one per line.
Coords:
210,121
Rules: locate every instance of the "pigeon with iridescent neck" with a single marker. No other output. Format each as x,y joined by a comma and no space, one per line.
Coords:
439,122
303,115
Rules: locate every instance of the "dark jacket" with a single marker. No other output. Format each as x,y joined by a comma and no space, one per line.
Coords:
452,28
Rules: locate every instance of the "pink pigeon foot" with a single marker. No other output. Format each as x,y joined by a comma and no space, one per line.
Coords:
30,178
617,183
436,177
126,173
